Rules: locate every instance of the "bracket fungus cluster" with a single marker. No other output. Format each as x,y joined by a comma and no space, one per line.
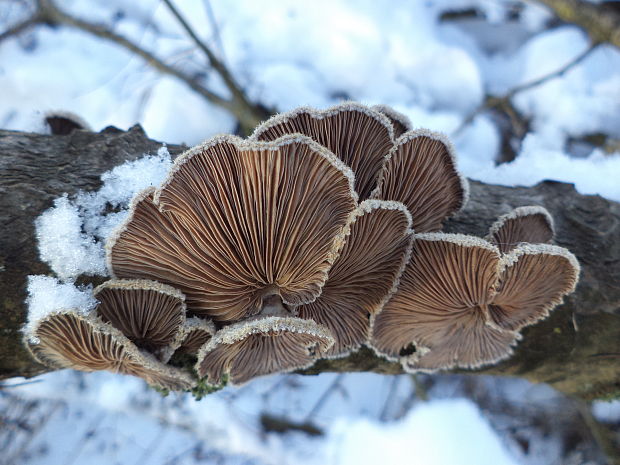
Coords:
318,234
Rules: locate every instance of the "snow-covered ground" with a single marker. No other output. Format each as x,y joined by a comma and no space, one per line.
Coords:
287,54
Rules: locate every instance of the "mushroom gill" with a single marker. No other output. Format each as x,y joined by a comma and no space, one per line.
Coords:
460,301
67,339
262,346
360,136
531,224
400,123
197,332
365,274
236,220
149,313
420,171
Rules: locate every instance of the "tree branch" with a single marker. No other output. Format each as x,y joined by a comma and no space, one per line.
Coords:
504,101
239,97
247,113
573,350
602,24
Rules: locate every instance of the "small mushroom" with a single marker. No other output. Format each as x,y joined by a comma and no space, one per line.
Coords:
400,122
420,171
197,332
261,346
365,274
149,313
531,224
68,339
357,134
461,302
236,220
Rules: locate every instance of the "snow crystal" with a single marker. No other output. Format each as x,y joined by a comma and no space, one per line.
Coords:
63,245
72,233
47,295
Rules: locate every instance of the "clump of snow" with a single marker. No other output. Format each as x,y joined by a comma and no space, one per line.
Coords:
63,245
420,438
593,85
47,295
72,233
607,412
537,162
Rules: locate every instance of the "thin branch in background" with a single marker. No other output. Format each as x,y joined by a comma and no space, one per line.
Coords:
324,397
20,27
238,94
247,113
504,100
217,36
383,416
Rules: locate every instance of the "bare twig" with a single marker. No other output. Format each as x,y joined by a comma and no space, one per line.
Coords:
247,113
504,101
326,394
216,29
20,27
238,95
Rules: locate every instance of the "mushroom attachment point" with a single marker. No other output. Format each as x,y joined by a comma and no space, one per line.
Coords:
460,302
236,220
149,313
68,339
261,346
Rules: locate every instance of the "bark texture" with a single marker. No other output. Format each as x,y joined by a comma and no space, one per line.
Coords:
576,350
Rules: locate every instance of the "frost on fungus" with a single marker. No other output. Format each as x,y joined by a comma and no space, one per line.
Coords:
313,237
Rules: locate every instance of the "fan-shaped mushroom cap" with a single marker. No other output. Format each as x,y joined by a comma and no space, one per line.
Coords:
261,346
197,333
460,300
400,122
365,274
360,136
524,224
149,313
239,220
420,171
83,342
535,279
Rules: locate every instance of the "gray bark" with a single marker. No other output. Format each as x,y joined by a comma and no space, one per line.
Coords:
576,350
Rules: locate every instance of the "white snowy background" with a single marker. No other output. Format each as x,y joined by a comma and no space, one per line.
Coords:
286,54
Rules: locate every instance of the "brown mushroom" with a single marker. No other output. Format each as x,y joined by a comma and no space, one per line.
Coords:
460,301
261,346
365,274
523,224
360,136
236,221
149,313
68,339
197,332
420,171
400,122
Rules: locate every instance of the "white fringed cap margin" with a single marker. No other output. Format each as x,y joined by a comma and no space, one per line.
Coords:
438,136
171,378
321,114
238,332
147,285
